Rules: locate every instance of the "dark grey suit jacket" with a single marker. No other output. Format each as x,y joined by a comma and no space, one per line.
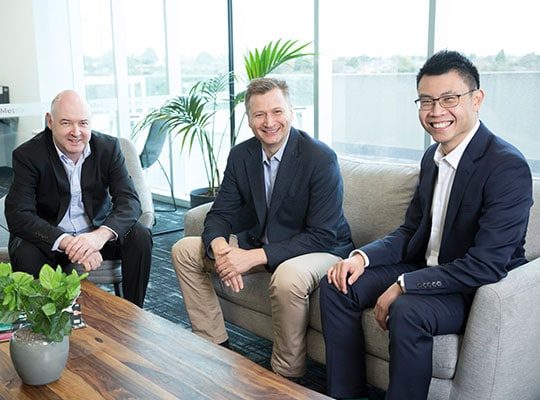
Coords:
40,193
305,213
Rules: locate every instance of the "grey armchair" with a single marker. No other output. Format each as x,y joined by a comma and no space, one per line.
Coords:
110,271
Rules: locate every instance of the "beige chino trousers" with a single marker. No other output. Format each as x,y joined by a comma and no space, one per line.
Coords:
290,286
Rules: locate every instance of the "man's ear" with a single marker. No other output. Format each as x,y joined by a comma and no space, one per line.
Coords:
48,119
478,99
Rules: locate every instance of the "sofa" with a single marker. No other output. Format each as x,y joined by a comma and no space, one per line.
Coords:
497,357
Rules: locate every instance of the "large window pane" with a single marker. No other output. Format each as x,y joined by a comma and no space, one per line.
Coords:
285,20
506,51
376,48
99,76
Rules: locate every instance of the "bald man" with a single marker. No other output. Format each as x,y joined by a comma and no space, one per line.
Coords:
73,201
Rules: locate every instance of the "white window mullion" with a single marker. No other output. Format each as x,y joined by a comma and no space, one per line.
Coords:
120,65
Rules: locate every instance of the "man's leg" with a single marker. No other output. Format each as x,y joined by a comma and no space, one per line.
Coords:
413,321
29,258
202,305
290,286
135,252
341,318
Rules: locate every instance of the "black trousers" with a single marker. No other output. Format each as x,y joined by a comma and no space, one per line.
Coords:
413,321
134,251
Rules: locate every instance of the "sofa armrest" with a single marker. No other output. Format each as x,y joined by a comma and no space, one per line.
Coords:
500,356
194,220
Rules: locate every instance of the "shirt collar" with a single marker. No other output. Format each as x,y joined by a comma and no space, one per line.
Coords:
279,153
86,152
455,155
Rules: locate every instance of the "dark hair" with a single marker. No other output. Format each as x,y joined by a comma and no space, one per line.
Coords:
445,61
264,85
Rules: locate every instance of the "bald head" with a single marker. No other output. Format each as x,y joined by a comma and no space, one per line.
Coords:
69,98
70,122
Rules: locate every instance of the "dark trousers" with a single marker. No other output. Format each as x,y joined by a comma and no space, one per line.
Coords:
134,251
413,321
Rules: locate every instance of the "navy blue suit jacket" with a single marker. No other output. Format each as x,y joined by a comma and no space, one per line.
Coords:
40,193
485,225
305,213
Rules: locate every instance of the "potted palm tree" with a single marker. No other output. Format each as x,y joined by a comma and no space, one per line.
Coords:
193,116
39,348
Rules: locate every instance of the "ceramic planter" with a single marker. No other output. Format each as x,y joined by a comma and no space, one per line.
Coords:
37,360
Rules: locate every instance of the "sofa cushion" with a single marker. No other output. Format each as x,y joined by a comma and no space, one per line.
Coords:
376,196
254,295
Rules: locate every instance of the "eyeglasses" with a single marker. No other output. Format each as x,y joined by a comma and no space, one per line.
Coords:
448,101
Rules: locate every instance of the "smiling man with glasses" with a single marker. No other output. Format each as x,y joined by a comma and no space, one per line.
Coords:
465,227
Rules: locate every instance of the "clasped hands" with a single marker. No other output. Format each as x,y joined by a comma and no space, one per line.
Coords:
85,248
347,271
231,262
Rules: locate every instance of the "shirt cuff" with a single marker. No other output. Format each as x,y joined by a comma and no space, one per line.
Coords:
56,244
113,232
364,256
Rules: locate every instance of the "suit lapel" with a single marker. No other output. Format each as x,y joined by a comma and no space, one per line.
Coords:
255,174
464,172
61,176
288,168
89,168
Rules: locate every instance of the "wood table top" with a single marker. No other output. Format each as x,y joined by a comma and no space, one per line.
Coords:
129,353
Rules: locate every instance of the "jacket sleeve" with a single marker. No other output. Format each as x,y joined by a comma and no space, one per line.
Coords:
20,206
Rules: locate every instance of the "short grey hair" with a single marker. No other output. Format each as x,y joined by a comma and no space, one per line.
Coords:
263,86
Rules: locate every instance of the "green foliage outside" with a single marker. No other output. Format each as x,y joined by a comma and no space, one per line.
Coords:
45,301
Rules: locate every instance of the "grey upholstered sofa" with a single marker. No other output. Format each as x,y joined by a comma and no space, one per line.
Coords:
498,357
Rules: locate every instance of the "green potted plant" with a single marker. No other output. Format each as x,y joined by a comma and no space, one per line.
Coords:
193,116
39,348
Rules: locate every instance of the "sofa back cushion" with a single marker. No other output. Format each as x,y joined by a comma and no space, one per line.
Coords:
376,196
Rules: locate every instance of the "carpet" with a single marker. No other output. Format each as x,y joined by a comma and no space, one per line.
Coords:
165,299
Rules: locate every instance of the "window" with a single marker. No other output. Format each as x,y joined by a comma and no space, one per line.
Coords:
506,51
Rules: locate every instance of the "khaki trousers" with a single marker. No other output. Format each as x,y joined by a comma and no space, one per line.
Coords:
290,286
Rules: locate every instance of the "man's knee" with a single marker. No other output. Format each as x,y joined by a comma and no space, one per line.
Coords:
287,280
405,312
139,236
29,258
188,251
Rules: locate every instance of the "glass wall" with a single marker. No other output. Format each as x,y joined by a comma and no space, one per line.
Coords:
504,44
357,95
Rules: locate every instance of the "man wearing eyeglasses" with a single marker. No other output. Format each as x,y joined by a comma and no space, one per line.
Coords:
465,227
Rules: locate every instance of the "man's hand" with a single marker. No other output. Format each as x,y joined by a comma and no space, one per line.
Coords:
352,267
235,262
93,261
236,283
384,302
81,247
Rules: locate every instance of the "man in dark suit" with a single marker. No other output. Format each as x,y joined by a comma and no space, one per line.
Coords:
72,200
279,207
465,227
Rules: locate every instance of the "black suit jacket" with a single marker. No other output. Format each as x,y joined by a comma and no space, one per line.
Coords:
485,226
40,193
305,213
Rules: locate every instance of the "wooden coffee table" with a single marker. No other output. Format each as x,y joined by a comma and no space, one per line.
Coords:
128,353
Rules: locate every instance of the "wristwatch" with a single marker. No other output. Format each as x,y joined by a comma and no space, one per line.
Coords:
401,282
